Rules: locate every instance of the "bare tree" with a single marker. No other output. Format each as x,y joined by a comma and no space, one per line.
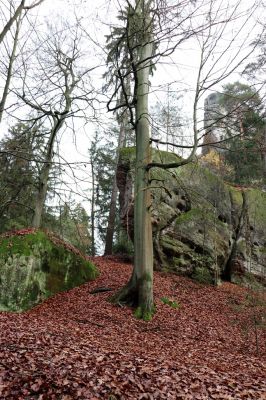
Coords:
15,14
155,29
10,68
15,17
54,87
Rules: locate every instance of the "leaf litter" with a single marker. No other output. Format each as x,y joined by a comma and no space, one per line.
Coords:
77,345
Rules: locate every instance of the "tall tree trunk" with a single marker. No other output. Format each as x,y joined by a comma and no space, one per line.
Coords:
9,70
264,156
112,213
41,195
92,211
139,290
143,247
44,174
111,220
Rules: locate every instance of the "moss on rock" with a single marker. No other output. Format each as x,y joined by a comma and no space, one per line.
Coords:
33,267
196,219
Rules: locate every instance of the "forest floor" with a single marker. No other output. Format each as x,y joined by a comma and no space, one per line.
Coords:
77,345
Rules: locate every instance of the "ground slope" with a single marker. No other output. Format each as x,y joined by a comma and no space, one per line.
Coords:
76,345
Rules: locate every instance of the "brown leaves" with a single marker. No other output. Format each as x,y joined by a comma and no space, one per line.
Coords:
79,346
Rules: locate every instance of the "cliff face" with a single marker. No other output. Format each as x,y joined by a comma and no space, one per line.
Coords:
34,266
202,227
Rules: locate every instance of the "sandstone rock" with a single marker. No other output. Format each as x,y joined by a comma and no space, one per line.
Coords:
201,226
35,266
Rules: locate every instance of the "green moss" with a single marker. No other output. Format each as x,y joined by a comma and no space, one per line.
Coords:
127,153
174,245
180,261
236,195
189,216
202,275
248,280
32,268
146,277
257,207
24,245
140,313
171,303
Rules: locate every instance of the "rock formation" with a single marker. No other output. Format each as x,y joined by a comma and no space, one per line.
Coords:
35,265
202,226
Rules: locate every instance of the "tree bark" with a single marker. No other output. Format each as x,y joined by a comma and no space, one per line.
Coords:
9,70
92,211
139,290
264,156
44,175
112,213
10,22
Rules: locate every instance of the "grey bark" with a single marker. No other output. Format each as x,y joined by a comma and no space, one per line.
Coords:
16,15
139,290
9,70
10,22
44,174
92,211
112,213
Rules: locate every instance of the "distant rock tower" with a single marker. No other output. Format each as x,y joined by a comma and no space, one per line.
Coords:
212,112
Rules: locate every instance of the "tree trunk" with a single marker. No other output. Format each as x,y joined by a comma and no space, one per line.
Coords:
44,174
41,195
139,290
8,25
9,70
264,157
112,213
92,211
111,220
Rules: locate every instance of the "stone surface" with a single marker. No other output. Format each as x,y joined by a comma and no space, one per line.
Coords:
35,266
201,226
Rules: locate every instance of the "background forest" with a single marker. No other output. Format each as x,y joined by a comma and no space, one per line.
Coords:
54,90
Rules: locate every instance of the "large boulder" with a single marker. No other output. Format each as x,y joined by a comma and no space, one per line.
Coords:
34,265
202,227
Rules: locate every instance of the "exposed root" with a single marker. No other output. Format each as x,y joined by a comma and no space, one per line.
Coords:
129,296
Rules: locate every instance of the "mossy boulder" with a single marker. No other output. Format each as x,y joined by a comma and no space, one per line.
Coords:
35,265
197,219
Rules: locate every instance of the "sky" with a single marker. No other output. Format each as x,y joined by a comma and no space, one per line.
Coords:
180,69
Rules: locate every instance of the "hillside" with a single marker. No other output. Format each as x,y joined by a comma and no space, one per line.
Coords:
76,345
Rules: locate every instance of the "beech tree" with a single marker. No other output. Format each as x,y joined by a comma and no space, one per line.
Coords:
152,30
139,41
138,37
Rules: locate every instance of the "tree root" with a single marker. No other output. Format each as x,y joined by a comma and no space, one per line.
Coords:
100,290
128,296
